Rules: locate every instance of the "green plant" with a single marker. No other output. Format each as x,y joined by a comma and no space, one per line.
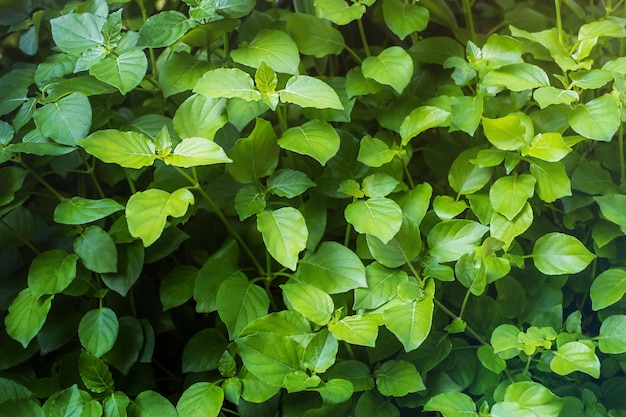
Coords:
323,208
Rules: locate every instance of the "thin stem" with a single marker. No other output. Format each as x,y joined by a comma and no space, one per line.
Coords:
131,183
408,176
194,182
622,163
366,47
354,55
346,238
559,21
41,180
469,19
454,316
20,237
281,112
413,270
465,300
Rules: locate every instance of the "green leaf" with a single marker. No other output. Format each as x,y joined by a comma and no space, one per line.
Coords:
314,36
378,185
450,239
371,403
128,345
284,234
22,407
517,77
115,404
127,149
288,183
308,91
239,303
130,259
163,29
177,286
527,398
608,288
147,211
548,147
611,207
575,356
124,71
335,391
597,119
377,216
612,337
465,177
98,330
506,230
27,315
356,330
315,138
200,117
310,301
300,381
74,33
548,96
261,357
382,286
196,151
552,180
422,119
501,50
78,210
404,19
466,113
333,268
452,404
398,378
321,352
557,253
401,249
509,133
255,156
358,85
393,67
202,399
66,121
180,71
446,207
373,152
151,404
203,351
95,373
96,250
338,11
508,195
249,201
273,47
411,321
227,83
490,360
51,272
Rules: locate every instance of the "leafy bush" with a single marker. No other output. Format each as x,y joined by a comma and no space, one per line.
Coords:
334,208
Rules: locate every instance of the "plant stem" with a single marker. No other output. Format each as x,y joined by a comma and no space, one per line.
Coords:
469,19
559,21
622,163
366,47
41,180
131,183
467,296
20,237
196,185
468,329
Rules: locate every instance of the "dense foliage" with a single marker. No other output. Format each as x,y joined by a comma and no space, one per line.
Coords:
318,208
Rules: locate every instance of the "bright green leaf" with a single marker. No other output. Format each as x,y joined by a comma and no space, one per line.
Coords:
333,268
202,399
273,47
284,233
398,378
404,18
509,133
393,67
195,151
612,209
315,138
310,301
163,29
74,33
147,211
227,83
200,117
51,272
373,152
339,11
94,373
452,404
288,183
548,96
249,201
597,119
522,399
27,315
557,253
508,195
450,239
239,303
575,356
517,77
308,91
321,352
465,177
127,149
180,71
314,36
356,330
421,119
151,404
378,216
382,285
552,180
612,337
78,210
608,288
548,147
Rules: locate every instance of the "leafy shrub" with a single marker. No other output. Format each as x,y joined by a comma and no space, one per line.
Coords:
320,208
